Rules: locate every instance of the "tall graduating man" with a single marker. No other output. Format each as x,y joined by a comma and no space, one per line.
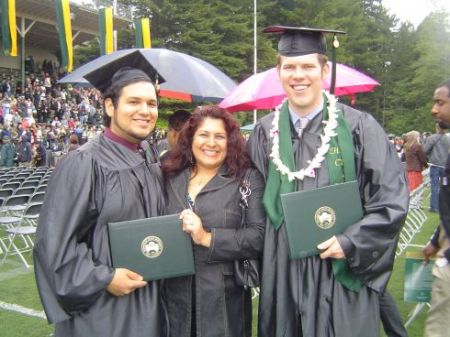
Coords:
336,293
105,180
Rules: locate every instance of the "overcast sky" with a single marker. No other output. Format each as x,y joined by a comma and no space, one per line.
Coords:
415,11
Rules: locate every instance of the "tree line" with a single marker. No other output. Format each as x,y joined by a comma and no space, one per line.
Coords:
408,62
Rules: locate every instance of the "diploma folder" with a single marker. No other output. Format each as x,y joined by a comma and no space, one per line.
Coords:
156,248
314,216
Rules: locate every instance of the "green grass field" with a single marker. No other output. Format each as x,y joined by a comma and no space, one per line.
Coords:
17,287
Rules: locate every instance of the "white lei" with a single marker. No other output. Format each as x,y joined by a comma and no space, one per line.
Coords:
328,132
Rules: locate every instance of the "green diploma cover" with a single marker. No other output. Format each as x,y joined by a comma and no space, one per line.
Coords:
314,216
156,248
418,278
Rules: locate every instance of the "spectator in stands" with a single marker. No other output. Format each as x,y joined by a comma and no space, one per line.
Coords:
40,154
25,152
438,316
56,123
91,133
7,153
74,142
6,106
436,148
7,88
415,158
47,83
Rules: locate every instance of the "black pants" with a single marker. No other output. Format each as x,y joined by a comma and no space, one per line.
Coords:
390,317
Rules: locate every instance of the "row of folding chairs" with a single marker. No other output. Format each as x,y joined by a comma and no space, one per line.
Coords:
19,231
20,172
29,186
25,190
30,183
21,199
21,177
22,192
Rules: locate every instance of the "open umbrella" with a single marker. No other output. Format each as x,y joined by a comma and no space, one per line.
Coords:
264,90
186,77
248,127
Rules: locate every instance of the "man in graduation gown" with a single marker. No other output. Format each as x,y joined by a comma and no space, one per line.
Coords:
439,314
106,180
336,293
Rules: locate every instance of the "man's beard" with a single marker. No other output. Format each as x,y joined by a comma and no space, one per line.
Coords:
444,125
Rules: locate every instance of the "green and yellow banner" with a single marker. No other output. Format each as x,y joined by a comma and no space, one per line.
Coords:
105,19
142,29
8,23
64,28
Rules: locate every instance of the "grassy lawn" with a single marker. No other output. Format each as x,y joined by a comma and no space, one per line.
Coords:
17,286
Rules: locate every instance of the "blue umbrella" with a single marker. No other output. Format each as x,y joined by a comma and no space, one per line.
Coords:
186,77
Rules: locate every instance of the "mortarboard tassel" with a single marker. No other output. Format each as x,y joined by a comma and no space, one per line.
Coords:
333,62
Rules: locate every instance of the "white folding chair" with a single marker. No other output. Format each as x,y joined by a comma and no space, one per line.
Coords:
31,213
23,229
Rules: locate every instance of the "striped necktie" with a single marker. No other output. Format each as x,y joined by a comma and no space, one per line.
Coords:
300,125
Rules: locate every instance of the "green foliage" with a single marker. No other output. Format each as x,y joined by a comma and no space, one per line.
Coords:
408,62
86,52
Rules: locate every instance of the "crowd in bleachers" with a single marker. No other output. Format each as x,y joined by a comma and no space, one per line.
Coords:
45,120
38,120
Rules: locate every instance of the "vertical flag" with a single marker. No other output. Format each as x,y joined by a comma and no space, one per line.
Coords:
64,28
8,22
105,20
142,31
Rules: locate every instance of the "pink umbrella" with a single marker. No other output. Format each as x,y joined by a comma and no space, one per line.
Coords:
264,90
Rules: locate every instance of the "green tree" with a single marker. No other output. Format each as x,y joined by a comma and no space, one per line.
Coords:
429,64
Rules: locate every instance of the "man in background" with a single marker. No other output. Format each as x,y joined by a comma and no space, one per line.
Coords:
176,122
438,317
436,148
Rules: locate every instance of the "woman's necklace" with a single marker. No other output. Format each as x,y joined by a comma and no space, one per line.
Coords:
200,180
328,132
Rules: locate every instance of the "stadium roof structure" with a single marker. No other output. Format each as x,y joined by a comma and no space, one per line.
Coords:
38,19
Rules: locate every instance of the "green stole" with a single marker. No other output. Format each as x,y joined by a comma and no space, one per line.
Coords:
341,168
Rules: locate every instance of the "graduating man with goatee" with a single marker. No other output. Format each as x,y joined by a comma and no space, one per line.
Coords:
105,180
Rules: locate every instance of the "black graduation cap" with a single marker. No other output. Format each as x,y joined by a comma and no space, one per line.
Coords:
126,69
298,41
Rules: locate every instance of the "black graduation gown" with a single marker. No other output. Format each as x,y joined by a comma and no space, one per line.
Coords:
100,182
302,297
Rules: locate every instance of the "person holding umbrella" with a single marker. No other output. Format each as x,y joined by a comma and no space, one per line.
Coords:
105,180
335,293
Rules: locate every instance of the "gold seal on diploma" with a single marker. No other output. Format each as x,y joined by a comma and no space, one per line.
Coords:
325,217
152,247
